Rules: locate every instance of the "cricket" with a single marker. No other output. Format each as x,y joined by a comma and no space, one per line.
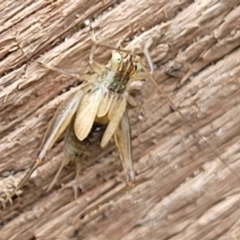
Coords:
119,120
93,115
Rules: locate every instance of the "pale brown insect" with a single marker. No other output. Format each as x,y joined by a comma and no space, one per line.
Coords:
94,114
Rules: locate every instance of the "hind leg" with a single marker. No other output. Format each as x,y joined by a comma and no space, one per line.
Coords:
75,185
56,177
74,150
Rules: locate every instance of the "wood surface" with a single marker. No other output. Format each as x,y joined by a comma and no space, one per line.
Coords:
187,165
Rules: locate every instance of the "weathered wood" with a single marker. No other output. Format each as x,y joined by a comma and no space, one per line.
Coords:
183,190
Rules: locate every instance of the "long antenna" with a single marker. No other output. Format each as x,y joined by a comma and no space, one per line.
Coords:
189,122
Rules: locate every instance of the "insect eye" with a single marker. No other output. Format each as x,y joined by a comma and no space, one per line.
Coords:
116,58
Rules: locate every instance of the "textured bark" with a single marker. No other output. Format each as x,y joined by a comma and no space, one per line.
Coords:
187,167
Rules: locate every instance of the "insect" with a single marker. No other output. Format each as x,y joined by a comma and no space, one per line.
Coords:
95,114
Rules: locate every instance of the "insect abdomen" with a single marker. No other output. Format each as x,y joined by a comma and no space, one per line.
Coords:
88,148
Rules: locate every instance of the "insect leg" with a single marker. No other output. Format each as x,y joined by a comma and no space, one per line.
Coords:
60,121
122,139
55,179
131,101
72,148
75,187
147,54
133,88
139,76
80,77
96,67
8,197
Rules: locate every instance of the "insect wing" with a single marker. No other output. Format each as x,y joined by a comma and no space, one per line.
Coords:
105,104
86,113
114,120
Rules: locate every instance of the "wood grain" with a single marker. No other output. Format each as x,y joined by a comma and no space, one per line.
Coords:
183,189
